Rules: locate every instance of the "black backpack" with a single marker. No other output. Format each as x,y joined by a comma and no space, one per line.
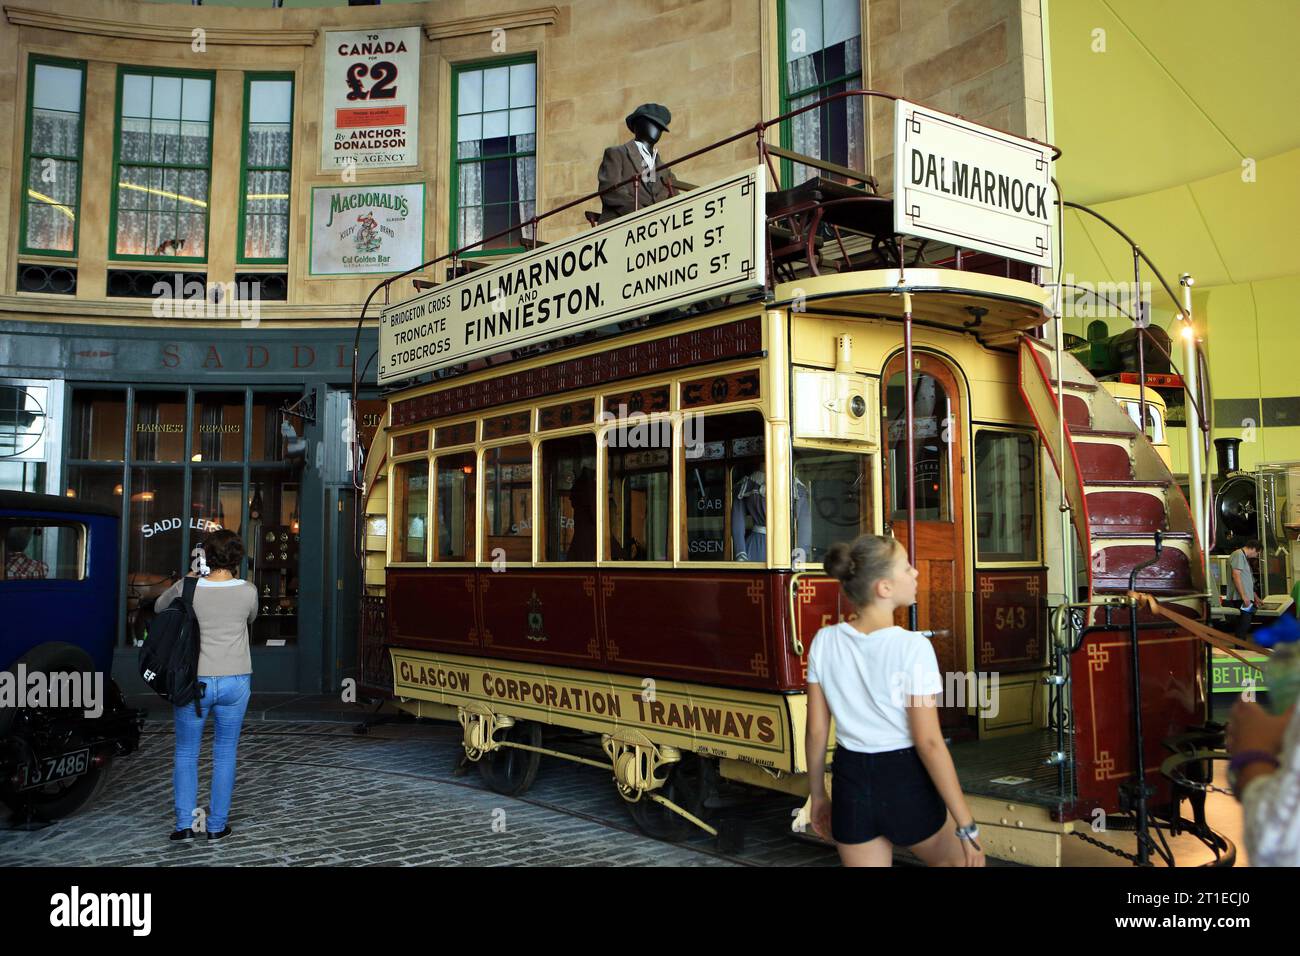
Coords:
169,657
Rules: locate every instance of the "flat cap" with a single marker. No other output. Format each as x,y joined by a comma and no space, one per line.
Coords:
652,111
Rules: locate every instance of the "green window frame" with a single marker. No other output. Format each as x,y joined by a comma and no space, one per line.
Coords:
268,205
34,161
170,171
515,110
822,85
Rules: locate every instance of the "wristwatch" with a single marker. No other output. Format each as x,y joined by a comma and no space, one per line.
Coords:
971,832
1240,761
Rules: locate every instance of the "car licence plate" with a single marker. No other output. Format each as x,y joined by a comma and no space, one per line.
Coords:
53,769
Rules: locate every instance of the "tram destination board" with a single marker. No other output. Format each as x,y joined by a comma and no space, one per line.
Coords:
974,187
704,243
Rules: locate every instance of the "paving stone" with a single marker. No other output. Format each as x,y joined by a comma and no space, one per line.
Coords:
310,794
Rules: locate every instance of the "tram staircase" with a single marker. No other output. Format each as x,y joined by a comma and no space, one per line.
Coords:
1119,490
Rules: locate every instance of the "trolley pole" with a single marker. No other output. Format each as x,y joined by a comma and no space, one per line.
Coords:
1191,386
910,426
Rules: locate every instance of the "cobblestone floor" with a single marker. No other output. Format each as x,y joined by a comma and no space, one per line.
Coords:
315,793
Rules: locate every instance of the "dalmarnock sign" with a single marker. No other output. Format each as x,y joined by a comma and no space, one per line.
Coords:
704,243
972,186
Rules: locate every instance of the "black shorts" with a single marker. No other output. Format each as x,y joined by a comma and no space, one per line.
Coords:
887,794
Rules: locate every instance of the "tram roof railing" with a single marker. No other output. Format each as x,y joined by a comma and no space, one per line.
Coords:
766,152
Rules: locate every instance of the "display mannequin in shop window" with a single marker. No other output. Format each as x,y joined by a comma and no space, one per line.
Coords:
638,157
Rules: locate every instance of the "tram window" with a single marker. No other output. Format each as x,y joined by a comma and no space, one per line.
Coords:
1006,496
1155,430
725,495
455,507
411,508
832,500
508,502
932,431
640,503
570,497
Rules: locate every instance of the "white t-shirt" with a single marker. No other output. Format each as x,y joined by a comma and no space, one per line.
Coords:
867,679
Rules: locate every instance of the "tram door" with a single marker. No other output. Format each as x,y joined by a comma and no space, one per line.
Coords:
939,503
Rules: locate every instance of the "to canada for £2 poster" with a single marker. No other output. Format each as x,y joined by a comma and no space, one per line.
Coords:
371,102
357,230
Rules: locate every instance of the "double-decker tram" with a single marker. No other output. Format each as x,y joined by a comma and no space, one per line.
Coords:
607,478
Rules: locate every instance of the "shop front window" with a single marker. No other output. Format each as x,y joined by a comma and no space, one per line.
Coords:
159,426
187,475
24,422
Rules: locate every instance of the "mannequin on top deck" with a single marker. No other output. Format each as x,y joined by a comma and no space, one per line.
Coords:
639,157
751,501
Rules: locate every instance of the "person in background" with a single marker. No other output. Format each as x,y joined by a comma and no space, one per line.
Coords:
894,782
1241,585
225,606
19,566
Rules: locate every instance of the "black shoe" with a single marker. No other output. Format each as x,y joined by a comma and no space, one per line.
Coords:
178,835
218,836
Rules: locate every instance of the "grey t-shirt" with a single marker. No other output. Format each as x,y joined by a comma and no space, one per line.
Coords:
225,609
1239,562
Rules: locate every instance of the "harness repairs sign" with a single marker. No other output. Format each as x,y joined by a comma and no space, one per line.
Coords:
370,103
972,186
702,244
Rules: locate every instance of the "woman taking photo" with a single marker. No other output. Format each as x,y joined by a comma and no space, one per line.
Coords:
225,606
893,781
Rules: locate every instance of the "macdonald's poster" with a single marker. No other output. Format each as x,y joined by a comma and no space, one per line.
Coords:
371,102
366,230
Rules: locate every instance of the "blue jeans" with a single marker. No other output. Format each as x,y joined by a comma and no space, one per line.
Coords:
227,699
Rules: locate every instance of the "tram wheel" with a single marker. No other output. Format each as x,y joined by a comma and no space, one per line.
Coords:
686,786
508,771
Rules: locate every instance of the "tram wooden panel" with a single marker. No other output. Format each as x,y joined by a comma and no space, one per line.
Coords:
1103,709
541,615
1010,621
431,608
713,627
816,605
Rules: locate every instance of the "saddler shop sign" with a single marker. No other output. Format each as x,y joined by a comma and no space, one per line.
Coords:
702,244
972,186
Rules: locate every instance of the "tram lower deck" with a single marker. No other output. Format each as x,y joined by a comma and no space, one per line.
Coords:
638,555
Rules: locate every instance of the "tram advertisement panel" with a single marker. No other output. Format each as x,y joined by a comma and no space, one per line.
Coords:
702,244
740,724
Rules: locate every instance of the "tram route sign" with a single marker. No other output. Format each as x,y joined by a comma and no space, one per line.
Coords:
704,243
974,187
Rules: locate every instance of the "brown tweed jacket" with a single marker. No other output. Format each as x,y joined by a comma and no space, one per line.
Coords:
618,164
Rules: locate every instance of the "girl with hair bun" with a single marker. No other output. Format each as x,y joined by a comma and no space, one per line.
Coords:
893,780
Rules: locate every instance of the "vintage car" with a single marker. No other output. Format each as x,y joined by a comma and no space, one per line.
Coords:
62,717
